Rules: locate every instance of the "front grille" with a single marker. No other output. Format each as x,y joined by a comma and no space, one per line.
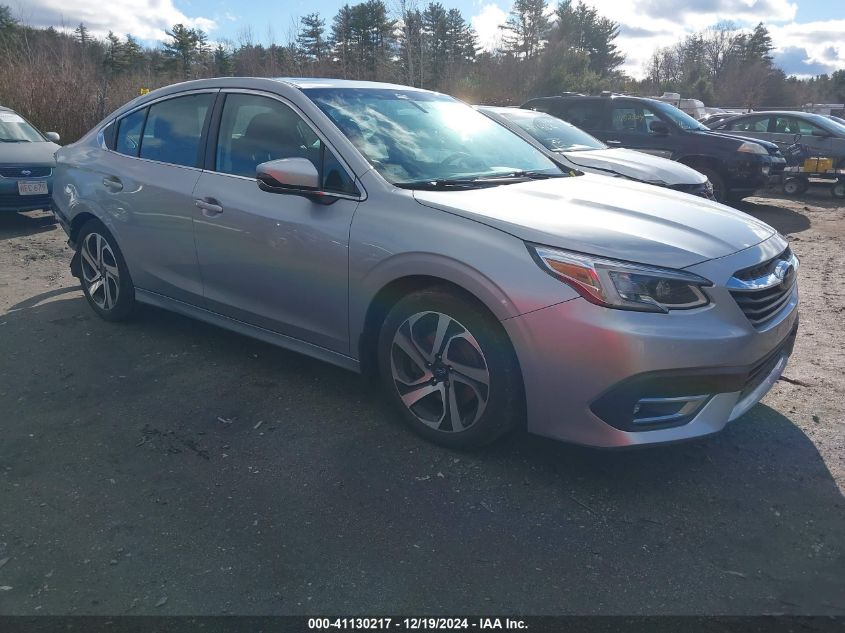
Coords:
18,172
759,292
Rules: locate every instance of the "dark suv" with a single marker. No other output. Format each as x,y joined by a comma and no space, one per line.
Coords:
735,166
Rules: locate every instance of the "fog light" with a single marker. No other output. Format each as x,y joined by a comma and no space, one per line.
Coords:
648,411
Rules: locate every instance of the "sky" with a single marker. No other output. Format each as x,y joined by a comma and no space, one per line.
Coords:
809,35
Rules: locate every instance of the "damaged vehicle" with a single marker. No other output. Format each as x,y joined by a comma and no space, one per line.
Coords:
578,150
402,234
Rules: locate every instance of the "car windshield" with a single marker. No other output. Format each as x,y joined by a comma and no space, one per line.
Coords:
678,117
14,129
412,136
553,133
827,124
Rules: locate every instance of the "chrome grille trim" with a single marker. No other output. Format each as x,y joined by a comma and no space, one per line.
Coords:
763,290
40,171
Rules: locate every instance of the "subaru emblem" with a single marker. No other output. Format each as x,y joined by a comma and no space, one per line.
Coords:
26,172
785,271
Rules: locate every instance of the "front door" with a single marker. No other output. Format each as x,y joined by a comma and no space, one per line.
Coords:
276,261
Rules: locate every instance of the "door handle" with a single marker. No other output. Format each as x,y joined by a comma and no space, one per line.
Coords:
210,207
614,142
113,184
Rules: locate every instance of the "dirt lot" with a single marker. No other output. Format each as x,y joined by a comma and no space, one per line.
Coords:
169,467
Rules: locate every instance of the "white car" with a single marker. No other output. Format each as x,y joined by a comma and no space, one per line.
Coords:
575,149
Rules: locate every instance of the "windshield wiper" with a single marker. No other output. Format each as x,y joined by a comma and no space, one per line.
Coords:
478,181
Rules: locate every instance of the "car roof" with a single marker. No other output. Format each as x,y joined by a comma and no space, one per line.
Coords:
304,83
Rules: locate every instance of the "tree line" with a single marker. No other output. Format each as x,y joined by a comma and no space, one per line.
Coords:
72,79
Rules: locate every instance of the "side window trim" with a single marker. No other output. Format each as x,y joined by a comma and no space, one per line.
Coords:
147,105
209,164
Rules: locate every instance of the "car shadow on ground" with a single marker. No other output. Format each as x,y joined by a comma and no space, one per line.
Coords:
167,458
785,220
29,223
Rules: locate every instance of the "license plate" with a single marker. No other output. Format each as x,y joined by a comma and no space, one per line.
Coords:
28,188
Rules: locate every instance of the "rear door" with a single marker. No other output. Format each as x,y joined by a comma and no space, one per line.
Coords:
587,114
276,261
145,189
630,126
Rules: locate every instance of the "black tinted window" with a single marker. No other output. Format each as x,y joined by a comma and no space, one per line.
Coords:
129,133
174,129
584,114
255,129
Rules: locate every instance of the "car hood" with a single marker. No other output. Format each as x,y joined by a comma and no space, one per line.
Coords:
608,217
739,137
28,153
638,165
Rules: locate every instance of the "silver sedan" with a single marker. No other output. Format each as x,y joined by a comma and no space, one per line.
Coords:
399,232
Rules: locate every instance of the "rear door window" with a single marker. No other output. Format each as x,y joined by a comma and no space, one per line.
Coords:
174,129
750,124
586,114
129,130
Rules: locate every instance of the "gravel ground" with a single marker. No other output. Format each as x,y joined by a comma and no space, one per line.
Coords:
168,467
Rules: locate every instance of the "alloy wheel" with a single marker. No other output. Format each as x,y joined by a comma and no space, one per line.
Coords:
440,371
100,273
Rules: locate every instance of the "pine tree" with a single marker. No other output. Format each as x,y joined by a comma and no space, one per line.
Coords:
222,62
80,34
311,40
182,48
526,28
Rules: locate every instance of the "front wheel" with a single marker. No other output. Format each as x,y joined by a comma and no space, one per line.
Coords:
103,273
449,368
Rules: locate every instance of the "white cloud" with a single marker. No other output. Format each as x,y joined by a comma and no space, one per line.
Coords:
486,24
144,19
821,44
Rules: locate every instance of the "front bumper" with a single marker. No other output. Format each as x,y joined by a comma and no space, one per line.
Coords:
10,200
585,367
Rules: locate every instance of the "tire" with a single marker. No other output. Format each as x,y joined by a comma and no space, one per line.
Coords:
473,373
795,186
113,300
838,190
720,192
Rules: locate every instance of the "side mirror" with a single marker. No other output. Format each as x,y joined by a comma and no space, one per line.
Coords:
293,176
659,128
53,136
821,134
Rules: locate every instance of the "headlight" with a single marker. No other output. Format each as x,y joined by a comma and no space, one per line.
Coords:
622,285
752,148
766,169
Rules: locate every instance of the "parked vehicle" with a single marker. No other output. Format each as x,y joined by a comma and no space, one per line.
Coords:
819,134
714,118
575,149
399,232
736,167
692,107
26,163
